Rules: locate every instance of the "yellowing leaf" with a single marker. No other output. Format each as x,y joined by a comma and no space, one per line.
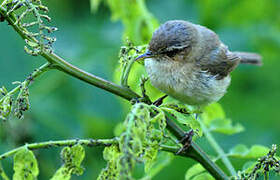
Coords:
72,158
61,174
25,165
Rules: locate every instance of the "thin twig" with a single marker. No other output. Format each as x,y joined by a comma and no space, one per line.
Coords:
71,142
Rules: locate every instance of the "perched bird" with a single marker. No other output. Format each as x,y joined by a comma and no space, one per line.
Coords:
189,62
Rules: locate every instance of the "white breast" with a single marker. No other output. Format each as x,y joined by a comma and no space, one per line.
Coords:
184,83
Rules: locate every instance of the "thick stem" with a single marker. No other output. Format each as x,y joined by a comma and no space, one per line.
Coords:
74,71
194,151
71,142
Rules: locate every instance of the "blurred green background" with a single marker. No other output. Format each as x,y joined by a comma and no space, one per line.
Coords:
63,107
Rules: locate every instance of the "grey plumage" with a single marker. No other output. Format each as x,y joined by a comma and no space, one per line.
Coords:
190,63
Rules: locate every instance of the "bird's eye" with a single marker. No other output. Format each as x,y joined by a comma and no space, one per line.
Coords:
172,53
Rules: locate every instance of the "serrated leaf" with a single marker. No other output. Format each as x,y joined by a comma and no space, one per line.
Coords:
25,165
242,151
188,120
111,155
78,155
197,172
72,158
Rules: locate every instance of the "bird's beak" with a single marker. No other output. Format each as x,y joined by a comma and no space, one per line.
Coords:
147,54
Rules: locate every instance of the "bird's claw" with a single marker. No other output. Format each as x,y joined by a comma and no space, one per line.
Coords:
159,101
186,141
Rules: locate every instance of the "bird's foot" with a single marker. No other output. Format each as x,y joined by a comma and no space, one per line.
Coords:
159,101
186,141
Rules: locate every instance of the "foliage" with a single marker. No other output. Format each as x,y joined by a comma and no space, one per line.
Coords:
143,133
25,165
32,15
138,22
21,103
72,158
142,136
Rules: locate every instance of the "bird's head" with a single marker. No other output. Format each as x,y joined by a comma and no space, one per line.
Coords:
173,40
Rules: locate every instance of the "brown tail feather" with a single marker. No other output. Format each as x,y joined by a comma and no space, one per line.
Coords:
249,58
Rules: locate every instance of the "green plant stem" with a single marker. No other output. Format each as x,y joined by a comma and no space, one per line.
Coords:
71,142
194,150
62,65
125,74
68,68
57,62
217,148
30,78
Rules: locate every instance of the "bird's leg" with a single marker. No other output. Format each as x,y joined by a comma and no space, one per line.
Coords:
186,141
159,101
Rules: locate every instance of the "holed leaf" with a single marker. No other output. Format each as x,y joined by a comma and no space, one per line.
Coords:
72,158
25,165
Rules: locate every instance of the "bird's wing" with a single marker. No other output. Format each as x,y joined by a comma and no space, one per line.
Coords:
220,62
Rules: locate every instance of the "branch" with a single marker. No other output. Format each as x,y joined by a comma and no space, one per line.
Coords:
71,142
62,65
194,150
30,78
59,63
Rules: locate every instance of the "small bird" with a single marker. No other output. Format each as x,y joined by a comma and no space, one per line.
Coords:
189,62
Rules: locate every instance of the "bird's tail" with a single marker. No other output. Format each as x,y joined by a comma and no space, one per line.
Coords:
249,58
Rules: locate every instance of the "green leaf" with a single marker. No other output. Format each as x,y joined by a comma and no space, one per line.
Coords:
62,174
112,156
72,158
25,165
197,172
215,119
188,120
203,176
225,126
242,151
212,112
163,159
